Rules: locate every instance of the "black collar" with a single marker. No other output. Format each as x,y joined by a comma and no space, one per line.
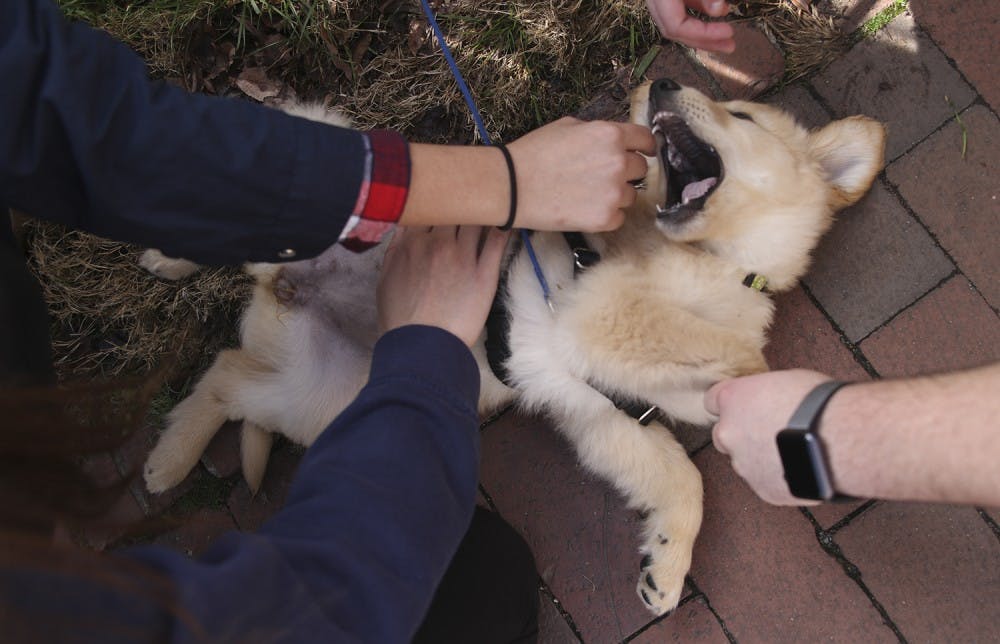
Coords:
583,255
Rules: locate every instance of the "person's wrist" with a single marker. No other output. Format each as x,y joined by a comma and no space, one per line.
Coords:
835,425
456,185
805,450
512,189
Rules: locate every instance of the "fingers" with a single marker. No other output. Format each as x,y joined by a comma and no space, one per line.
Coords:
711,402
711,399
493,247
712,36
717,439
674,23
635,167
714,8
638,138
490,257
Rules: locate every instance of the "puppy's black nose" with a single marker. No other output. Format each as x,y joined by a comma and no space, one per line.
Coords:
662,87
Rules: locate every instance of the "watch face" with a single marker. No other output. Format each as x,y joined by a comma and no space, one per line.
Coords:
805,467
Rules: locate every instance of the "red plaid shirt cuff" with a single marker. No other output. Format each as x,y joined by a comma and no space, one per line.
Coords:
383,190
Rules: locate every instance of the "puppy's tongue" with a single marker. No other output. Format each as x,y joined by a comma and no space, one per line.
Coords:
697,189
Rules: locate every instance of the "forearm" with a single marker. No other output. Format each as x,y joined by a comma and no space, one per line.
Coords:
452,183
384,496
933,438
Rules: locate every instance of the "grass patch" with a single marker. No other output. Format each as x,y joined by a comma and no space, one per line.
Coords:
208,492
883,18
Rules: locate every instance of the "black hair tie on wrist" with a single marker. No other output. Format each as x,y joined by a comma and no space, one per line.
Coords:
513,187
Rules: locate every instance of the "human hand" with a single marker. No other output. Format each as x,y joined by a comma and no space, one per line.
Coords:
675,23
752,410
439,277
573,175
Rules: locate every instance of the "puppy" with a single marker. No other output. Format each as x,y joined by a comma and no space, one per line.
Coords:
636,330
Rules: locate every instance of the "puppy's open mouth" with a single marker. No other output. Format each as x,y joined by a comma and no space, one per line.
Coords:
692,168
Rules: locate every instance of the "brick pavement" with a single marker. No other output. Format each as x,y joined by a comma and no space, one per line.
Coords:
905,283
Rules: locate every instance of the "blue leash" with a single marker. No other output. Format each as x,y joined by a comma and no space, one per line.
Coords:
481,128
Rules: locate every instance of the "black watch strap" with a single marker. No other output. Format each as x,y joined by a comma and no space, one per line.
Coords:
803,427
807,415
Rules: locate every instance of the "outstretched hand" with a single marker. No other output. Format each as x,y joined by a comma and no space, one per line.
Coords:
440,277
675,23
752,410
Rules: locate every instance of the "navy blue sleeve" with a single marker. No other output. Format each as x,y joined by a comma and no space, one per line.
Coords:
377,510
87,140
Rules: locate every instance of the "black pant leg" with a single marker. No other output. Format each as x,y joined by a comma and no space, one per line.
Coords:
25,350
489,593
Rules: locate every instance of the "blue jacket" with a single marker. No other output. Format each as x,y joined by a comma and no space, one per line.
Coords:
384,496
87,140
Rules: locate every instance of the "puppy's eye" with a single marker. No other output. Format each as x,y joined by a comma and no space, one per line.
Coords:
742,116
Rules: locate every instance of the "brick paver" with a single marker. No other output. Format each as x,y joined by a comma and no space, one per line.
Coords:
951,328
801,336
765,573
752,69
222,457
957,198
251,511
875,262
967,32
691,623
552,628
898,77
828,515
198,532
797,101
935,569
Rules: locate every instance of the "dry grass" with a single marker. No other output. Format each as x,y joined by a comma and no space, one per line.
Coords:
111,318
809,38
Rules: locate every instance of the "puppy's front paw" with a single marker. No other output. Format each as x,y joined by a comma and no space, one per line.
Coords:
661,573
168,268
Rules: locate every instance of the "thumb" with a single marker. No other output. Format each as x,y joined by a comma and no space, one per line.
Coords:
711,399
714,8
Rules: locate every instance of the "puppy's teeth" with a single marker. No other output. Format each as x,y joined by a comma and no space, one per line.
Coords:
656,129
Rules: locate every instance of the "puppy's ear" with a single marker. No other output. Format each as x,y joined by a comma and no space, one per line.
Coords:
851,152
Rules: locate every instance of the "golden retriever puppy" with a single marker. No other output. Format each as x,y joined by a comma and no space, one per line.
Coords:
674,301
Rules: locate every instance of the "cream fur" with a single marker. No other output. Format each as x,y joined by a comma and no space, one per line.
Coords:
662,317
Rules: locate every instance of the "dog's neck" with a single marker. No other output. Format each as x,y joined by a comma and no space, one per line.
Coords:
639,236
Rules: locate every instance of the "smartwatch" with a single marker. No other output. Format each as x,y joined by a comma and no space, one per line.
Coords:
807,469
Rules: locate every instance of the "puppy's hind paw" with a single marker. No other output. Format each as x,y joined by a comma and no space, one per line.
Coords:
164,469
660,586
168,268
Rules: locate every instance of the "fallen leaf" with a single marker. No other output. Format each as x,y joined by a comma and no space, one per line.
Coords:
361,48
255,83
417,36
